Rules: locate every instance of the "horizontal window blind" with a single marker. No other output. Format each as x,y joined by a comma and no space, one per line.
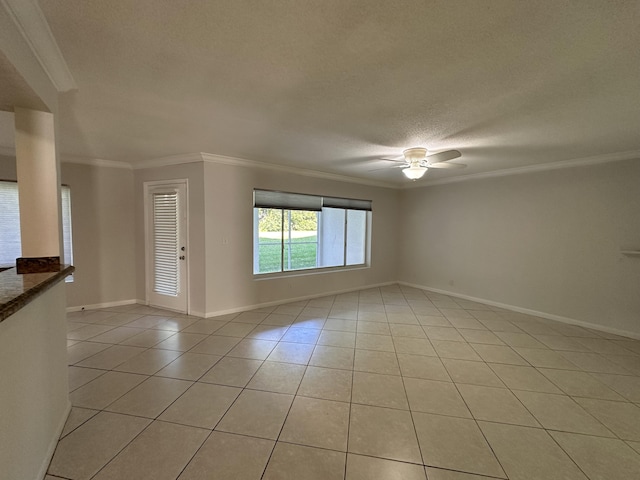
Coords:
290,201
165,243
66,225
346,203
299,201
10,247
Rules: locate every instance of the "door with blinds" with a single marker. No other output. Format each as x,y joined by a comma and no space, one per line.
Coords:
166,246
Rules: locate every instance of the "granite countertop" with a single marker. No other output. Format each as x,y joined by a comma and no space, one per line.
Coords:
17,290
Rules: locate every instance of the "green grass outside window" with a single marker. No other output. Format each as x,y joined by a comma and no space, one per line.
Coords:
303,254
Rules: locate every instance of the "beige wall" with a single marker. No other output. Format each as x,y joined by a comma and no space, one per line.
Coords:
548,242
229,237
102,217
220,252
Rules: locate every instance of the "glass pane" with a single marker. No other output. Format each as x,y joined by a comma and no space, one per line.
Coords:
10,246
356,236
332,237
66,225
270,258
269,240
301,239
303,255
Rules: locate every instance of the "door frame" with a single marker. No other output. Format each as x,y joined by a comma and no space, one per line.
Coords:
148,250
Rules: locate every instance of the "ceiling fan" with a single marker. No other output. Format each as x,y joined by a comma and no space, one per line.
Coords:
416,161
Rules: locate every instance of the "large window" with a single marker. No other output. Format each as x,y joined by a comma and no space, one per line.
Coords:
298,232
10,246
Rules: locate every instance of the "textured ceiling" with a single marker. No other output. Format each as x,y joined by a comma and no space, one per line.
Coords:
332,85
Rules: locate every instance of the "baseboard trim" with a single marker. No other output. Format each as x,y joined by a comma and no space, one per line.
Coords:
528,311
54,443
102,305
290,300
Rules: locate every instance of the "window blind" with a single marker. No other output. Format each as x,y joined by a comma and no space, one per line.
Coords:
346,203
299,201
290,201
10,247
165,243
66,226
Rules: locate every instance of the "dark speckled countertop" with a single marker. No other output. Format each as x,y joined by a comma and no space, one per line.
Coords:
17,290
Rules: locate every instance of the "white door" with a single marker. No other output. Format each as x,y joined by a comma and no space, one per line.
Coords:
166,213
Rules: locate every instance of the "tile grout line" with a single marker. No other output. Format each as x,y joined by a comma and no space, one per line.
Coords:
221,416
147,418
567,454
315,345
275,444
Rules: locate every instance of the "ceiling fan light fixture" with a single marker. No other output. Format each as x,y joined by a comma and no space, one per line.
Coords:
414,172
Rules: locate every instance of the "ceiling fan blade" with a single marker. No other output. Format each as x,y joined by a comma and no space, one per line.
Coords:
443,156
399,159
387,168
357,160
445,165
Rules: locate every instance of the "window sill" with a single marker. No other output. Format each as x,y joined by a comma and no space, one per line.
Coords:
311,271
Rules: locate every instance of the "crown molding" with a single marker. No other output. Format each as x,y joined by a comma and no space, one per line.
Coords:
208,157
578,162
168,161
242,162
32,25
96,162
225,160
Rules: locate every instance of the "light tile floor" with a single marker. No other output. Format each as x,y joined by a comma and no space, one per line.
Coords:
385,383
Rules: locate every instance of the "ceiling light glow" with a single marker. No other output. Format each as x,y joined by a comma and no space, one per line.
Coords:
414,172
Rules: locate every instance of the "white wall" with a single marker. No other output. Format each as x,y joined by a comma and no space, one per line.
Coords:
33,385
547,241
229,237
102,217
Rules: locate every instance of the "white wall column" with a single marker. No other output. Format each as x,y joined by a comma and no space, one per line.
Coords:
38,183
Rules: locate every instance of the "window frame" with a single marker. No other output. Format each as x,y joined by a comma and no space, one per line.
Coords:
330,202
66,226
